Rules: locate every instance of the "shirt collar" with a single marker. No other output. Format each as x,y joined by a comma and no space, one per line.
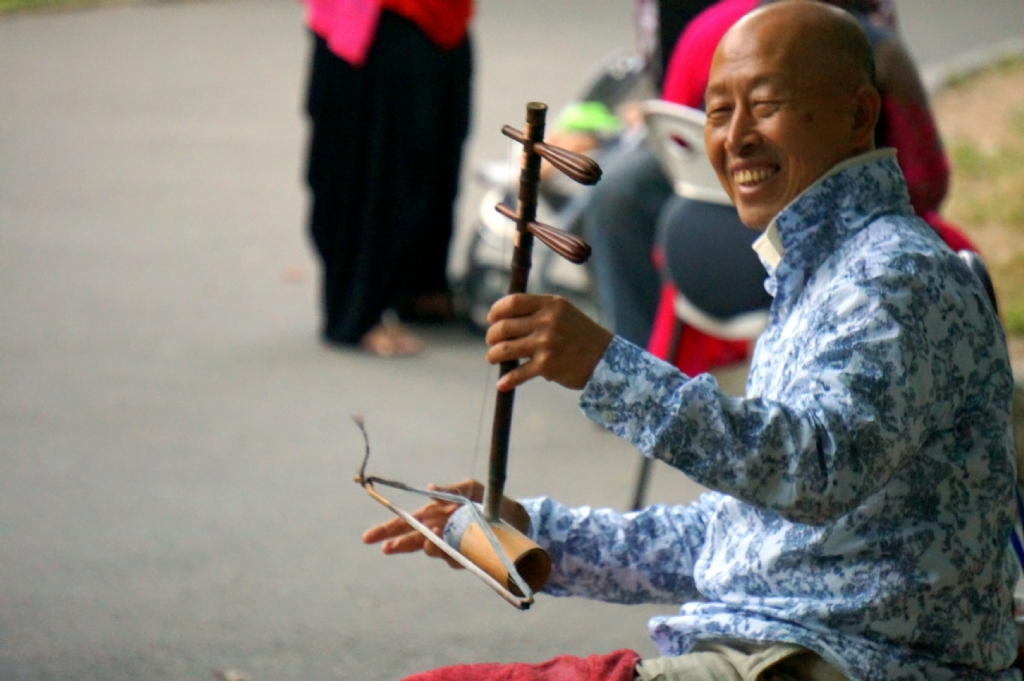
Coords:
813,223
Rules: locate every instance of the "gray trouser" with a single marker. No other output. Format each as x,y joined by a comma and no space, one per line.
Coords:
620,221
740,662
707,249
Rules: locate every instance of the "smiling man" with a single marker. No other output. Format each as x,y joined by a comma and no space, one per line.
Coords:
859,519
785,107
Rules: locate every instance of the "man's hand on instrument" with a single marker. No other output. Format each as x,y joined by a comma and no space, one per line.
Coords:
558,341
399,537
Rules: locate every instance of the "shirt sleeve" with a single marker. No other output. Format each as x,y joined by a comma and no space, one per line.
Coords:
844,420
642,557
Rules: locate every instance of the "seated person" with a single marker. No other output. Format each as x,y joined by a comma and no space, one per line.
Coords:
621,217
705,250
862,492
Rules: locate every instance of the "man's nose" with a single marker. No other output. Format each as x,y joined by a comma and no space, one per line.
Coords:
741,133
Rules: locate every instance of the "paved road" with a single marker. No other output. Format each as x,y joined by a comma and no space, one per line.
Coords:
175,449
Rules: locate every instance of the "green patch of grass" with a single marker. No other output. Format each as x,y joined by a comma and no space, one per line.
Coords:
966,78
11,6
967,158
991,190
1008,277
1017,124
1008,63
987,195
1013,320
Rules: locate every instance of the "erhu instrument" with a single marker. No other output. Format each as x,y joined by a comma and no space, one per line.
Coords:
509,562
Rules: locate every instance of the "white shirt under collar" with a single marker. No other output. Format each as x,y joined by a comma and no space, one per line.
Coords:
768,246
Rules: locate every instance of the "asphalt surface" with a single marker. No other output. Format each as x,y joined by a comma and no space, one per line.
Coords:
176,455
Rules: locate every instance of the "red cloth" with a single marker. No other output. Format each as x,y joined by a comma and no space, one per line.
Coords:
444,21
697,352
686,77
910,128
949,233
617,666
349,26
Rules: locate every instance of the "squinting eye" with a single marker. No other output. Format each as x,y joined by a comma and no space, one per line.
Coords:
765,108
718,115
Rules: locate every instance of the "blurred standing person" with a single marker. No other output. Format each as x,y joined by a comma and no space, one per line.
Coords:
389,102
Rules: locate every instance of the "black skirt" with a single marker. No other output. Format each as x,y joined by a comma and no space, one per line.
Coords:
385,150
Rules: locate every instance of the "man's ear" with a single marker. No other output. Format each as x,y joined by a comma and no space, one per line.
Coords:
865,117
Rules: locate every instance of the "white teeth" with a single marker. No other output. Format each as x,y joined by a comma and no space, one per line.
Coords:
753,176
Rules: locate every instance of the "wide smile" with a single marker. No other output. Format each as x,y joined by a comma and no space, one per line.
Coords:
749,178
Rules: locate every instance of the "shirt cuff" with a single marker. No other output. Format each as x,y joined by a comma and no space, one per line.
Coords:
532,507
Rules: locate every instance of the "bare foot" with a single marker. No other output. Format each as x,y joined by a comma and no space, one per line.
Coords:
390,340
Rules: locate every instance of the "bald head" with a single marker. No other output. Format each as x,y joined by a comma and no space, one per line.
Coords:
829,33
790,94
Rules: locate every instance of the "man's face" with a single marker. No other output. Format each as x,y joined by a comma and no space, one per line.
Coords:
776,121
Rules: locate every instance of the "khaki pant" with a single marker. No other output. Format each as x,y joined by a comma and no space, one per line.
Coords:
740,662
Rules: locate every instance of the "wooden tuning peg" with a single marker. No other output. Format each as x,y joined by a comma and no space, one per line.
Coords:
577,166
572,248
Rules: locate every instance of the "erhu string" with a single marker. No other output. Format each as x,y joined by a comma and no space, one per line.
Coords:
486,401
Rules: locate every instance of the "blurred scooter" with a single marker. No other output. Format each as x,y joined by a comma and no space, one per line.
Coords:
592,126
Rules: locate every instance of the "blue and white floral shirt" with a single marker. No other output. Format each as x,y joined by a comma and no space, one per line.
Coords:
863,489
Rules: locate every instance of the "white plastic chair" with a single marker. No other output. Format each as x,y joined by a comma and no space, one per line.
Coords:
676,134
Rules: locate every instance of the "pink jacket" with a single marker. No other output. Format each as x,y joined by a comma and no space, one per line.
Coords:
348,26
